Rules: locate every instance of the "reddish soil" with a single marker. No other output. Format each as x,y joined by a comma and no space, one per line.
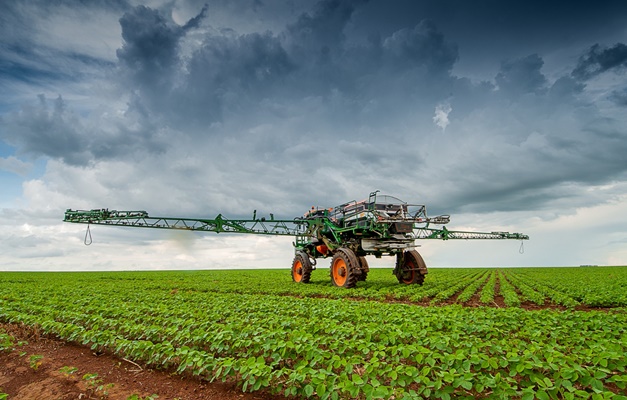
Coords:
49,378
452,299
498,297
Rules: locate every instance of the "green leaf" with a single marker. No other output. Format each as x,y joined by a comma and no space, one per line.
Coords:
357,380
467,385
321,390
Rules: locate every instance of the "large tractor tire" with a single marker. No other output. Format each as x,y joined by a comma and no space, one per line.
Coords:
301,268
344,268
410,268
363,266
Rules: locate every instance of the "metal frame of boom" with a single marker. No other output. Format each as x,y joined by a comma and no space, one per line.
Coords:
299,227
219,224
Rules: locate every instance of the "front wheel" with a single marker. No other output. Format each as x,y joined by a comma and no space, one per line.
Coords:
410,268
301,268
344,268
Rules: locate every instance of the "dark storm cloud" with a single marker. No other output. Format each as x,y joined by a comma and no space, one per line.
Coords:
229,73
151,41
311,100
600,59
48,128
150,49
422,45
321,33
197,20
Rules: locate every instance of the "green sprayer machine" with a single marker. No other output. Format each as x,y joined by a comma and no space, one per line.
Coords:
381,225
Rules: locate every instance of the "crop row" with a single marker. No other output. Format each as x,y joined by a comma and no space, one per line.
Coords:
328,348
526,291
592,286
487,293
556,296
570,287
510,298
471,289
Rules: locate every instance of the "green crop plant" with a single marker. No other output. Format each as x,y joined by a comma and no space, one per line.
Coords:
67,371
527,292
294,344
138,397
6,342
471,289
96,385
510,298
450,291
35,361
487,293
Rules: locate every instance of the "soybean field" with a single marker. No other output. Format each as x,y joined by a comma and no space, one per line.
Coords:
546,333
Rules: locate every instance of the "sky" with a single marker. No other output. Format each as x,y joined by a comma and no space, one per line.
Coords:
508,116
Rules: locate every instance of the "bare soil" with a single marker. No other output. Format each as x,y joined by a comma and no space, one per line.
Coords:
499,300
48,378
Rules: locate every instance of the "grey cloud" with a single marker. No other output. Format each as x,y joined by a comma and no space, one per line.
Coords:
319,34
197,20
151,41
150,45
316,45
522,75
600,59
565,87
307,103
548,168
231,72
15,165
544,149
619,96
32,54
45,130
150,63
423,45
50,128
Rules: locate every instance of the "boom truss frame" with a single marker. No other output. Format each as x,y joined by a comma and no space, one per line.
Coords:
298,227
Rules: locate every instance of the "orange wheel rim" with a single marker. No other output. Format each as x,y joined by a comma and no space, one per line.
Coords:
339,272
297,270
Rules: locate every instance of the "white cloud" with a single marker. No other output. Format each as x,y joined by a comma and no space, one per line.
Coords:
441,115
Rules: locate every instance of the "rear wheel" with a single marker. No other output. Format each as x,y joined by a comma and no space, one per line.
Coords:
363,266
344,268
301,268
410,268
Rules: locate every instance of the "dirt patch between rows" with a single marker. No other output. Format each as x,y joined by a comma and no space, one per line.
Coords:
24,377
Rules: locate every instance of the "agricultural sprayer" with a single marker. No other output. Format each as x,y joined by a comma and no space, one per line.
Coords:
381,225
